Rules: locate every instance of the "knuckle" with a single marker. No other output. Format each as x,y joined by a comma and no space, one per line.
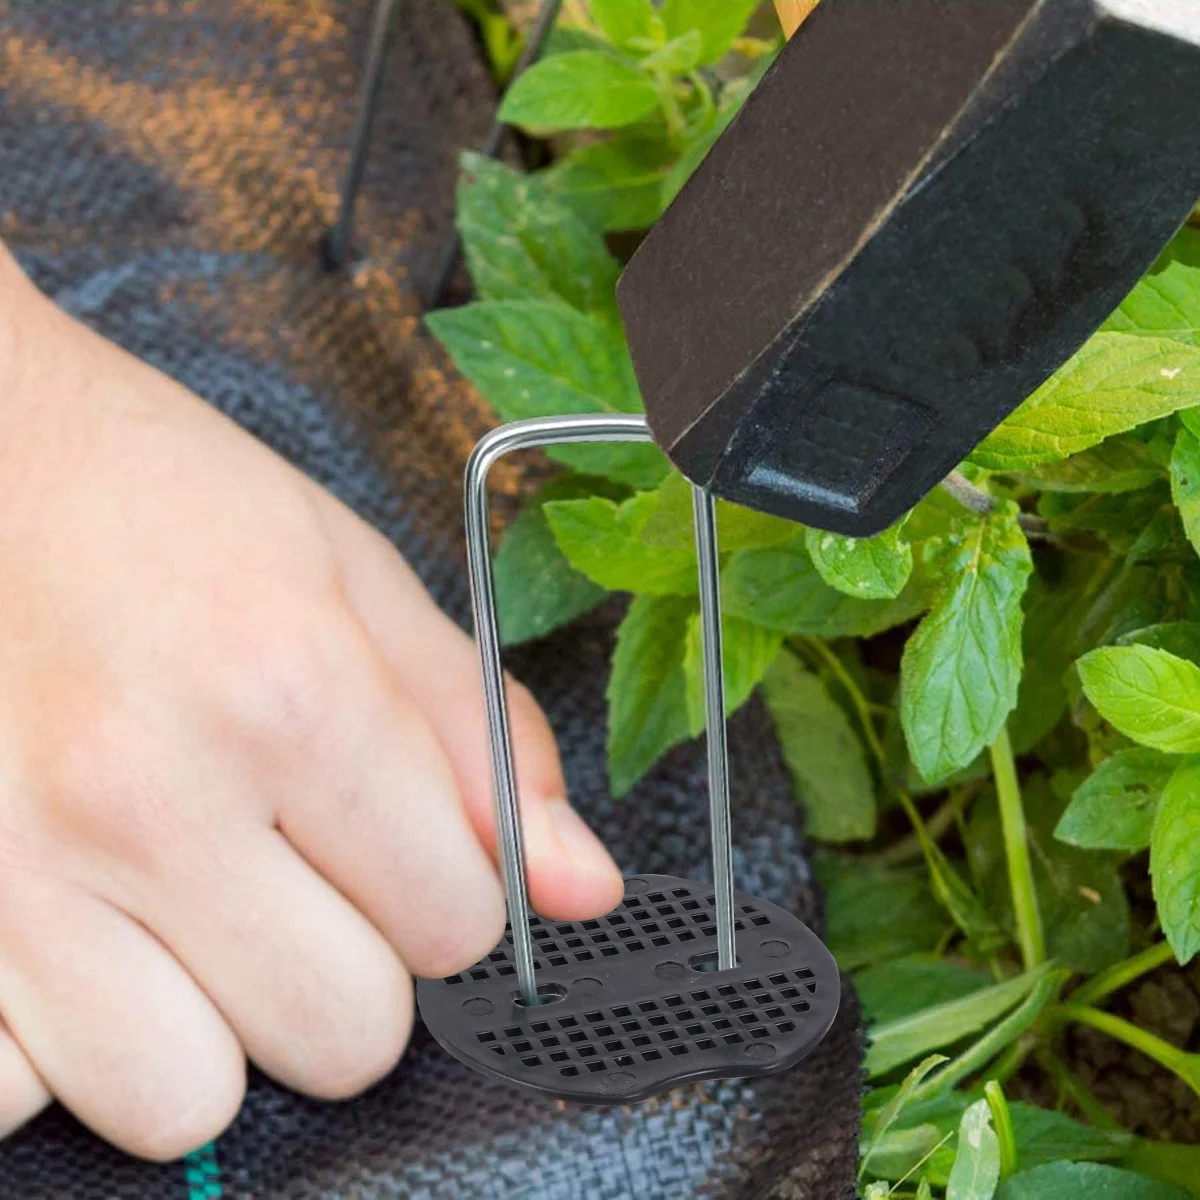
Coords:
290,687
107,785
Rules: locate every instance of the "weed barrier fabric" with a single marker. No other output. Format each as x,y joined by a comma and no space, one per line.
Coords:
165,173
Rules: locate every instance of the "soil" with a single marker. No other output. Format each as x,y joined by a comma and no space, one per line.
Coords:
1145,1098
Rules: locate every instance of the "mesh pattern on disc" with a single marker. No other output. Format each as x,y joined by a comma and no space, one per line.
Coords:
632,1004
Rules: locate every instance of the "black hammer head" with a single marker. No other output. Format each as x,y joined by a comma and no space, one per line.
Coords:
922,210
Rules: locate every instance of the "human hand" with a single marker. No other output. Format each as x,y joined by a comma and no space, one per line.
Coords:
244,784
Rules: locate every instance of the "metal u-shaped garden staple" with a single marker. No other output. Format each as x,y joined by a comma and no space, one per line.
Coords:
662,990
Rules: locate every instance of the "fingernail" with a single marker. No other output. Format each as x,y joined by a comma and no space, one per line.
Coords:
580,843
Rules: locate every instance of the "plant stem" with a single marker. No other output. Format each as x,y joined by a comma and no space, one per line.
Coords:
861,705
939,823
1002,1122
1013,1059
1122,974
978,501
1016,851
1179,1062
1076,1090
670,104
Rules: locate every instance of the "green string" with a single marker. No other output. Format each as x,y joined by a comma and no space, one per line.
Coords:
203,1174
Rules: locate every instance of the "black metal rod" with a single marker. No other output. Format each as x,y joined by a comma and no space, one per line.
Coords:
535,41
338,247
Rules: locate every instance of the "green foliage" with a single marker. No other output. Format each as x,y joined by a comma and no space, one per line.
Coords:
1085,913
647,691
1056,610
874,914
1174,861
823,753
909,1037
1116,382
976,1171
748,650
1149,695
583,89
874,568
537,589
962,667
1113,809
890,990
531,358
1085,1181
524,243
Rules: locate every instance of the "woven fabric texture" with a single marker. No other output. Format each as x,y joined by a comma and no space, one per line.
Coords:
166,170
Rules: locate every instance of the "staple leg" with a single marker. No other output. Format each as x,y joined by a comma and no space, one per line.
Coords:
338,248
705,517
540,431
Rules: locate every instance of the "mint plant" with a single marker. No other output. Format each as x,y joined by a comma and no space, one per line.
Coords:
991,711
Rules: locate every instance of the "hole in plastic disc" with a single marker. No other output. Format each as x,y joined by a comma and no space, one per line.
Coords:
705,962
547,993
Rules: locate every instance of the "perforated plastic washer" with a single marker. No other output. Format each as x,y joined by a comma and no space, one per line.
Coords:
629,1008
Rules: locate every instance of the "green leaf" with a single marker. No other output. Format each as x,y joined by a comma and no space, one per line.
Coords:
537,589
582,89
604,541
874,568
888,1114
529,358
1084,1181
874,913
1166,301
1113,809
718,24
962,667
1171,1163
900,1151
1115,382
1044,1136
904,986
647,705
1120,464
647,543
524,243
822,752
624,21
1174,861
976,1171
1180,638
747,650
781,588
738,528
1185,483
615,184
1148,695
906,1038
676,57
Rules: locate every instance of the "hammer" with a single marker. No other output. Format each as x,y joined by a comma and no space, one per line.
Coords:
919,214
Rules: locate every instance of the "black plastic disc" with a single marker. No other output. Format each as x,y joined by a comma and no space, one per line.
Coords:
632,1004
